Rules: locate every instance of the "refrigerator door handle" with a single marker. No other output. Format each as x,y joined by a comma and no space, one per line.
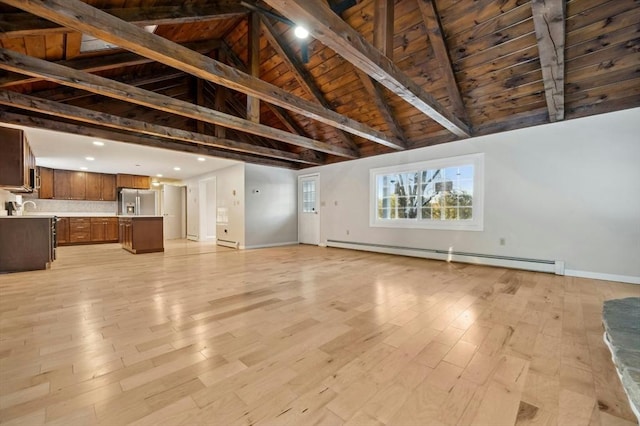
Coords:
137,205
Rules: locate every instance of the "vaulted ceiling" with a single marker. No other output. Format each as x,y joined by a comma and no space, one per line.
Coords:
229,78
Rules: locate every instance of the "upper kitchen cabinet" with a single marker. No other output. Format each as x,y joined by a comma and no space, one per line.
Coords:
17,162
133,181
100,187
69,185
45,176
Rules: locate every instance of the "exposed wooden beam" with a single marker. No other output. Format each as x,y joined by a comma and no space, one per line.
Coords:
374,90
383,19
200,102
17,62
436,36
102,63
253,46
70,112
138,139
300,73
25,24
333,32
89,20
549,22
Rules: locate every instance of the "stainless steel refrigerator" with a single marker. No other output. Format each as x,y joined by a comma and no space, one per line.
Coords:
135,202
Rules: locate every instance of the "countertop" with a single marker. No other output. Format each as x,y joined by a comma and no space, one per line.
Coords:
40,216
69,214
141,215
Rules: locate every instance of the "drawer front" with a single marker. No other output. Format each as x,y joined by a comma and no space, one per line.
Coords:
79,220
76,237
80,227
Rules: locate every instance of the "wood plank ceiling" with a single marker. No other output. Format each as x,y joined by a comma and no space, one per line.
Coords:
229,78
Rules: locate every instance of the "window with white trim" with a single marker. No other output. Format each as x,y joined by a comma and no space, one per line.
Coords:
437,194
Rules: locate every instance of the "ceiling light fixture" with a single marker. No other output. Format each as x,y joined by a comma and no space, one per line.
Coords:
84,168
98,143
89,158
158,175
301,32
201,159
177,169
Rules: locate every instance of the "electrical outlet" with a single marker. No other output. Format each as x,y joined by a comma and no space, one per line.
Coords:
503,241
347,232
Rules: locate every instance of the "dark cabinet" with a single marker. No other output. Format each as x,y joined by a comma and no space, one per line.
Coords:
141,234
78,185
104,229
79,229
62,230
45,176
62,184
26,243
100,187
133,181
17,162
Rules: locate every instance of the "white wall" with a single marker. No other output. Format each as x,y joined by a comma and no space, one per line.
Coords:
566,191
230,195
271,210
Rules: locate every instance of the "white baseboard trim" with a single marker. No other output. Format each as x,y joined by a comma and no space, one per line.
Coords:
537,265
289,243
629,279
228,243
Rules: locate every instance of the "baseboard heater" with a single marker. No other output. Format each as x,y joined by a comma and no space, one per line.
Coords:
538,265
227,243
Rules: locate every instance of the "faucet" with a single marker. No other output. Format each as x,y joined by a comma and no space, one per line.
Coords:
27,202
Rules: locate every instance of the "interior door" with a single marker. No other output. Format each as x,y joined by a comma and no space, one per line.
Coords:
172,209
308,209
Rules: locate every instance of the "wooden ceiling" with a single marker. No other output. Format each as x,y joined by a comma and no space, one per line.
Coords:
229,78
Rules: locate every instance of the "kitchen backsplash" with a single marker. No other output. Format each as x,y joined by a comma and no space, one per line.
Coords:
70,206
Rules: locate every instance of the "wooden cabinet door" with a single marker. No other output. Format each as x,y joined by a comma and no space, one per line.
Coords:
62,230
142,182
111,229
97,229
46,183
93,186
124,181
78,185
62,184
109,187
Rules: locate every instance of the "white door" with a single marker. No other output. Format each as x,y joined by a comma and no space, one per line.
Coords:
308,209
193,213
172,208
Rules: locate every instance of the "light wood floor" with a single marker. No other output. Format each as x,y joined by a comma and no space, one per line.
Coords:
202,335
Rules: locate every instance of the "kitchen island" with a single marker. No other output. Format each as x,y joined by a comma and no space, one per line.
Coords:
141,234
27,243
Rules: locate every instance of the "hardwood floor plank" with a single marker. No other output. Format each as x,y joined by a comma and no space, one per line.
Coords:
301,335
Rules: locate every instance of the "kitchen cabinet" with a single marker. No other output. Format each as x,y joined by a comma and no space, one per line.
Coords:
79,229
100,187
104,229
27,243
45,176
141,234
17,162
78,185
133,181
62,230
62,184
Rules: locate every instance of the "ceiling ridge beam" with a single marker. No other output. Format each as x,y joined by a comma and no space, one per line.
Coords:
116,60
439,46
25,24
98,118
137,139
549,21
338,35
87,19
304,78
18,62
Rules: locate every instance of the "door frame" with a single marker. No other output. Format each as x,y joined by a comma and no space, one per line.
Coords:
319,203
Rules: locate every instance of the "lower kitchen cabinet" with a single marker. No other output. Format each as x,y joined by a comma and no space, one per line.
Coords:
141,234
27,243
87,230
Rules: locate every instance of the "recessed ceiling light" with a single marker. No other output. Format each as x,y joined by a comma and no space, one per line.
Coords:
155,183
176,169
301,32
84,168
98,143
158,175
89,158
201,159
